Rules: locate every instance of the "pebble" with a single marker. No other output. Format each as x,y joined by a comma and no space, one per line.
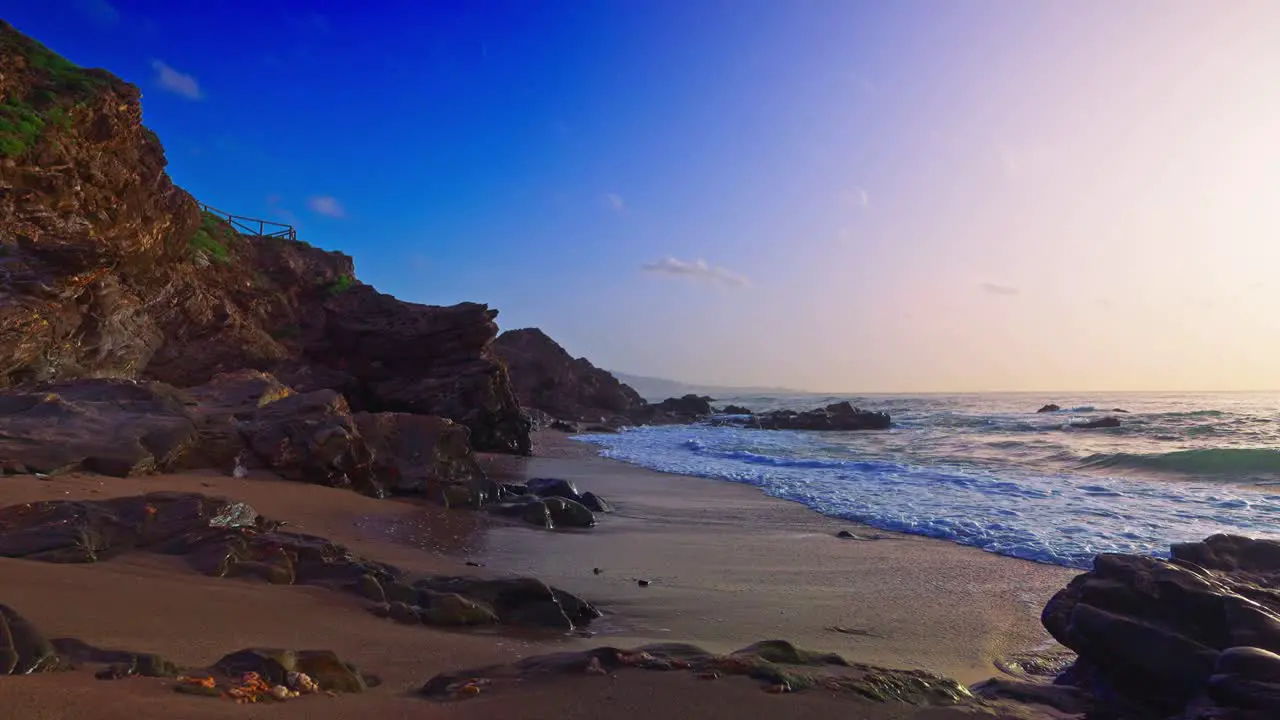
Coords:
642,583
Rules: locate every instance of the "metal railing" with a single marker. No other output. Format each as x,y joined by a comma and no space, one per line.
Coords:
253,226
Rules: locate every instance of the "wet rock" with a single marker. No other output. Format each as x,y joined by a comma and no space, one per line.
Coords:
452,610
1064,698
553,487
112,427
792,668
121,663
688,407
223,538
23,649
1151,633
567,513
403,613
1104,422
534,512
597,428
518,601
274,665
595,503
846,535
842,416
1049,408
564,426
735,410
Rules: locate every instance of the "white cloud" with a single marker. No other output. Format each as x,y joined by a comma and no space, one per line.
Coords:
1004,290
856,197
615,201
176,82
326,205
698,270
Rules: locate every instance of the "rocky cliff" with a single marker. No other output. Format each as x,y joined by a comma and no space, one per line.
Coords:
548,378
107,269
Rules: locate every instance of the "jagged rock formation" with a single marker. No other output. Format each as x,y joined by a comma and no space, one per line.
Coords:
247,418
109,270
1159,637
842,416
548,379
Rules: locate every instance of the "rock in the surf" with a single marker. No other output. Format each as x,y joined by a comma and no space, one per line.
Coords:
1049,408
1105,422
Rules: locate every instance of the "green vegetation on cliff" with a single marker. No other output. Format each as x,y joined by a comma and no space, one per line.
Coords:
55,87
212,237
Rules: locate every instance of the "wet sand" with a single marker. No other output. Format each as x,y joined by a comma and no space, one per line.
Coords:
728,566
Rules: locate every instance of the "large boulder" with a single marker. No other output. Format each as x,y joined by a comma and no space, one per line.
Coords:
312,437
425,455
1154,632
23,649
112,427
549,379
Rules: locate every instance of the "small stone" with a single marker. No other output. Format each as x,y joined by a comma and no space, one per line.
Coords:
472,563
708,675
778,689
597,571
642,583
846,535
404,613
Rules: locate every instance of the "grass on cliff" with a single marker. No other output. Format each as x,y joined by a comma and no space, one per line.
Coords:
342,284
211,238
57,86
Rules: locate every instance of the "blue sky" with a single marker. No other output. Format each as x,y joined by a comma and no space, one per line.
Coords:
829,194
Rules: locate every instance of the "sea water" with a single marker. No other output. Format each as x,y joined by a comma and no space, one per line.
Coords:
991,472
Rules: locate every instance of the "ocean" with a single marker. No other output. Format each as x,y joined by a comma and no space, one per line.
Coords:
986,470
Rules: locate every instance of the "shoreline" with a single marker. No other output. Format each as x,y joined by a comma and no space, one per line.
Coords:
729,566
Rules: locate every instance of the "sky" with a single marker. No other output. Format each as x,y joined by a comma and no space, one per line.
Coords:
835,195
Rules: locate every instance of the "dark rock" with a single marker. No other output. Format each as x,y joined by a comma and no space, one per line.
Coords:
534,512
689,406
564,426
1105,422
842,416
222,538
518,601
23,649
312,437
735,410
453,610
425,455
846,535
547,378
1049,408
274,666
553,487
773,663
403,613
1152,633
601,429
595,503
1118,410
121,663
643,583
567,513
112,427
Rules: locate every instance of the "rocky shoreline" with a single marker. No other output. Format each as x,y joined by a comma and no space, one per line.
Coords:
140,336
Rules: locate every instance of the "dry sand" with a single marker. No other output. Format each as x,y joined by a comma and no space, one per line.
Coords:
728,566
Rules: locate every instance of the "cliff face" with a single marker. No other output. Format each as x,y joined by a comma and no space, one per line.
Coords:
107,269
548,378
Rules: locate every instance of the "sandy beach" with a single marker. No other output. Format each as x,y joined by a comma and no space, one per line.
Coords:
727,566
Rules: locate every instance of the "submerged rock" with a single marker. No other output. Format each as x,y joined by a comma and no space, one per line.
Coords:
1105,422
1051,407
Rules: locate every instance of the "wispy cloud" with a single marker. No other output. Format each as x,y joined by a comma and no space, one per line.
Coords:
326,205
176,82
1003,290
698,270
615,202
100,11
856,198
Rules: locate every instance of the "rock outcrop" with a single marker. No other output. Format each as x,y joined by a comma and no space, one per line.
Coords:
1102,422
837,416
107,269
1049,408
224,538
549,379
1156,637
247,419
